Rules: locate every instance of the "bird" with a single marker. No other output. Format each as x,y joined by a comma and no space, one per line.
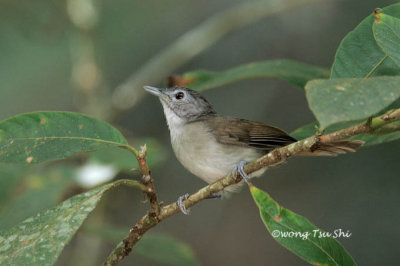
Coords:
210,145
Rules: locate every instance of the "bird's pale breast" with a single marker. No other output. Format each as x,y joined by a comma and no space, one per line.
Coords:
199,152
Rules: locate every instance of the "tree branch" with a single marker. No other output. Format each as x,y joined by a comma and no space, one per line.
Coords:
274,157
144,224
370,126
149,182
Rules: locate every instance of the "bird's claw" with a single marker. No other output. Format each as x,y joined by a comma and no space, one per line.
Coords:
180,204
239,169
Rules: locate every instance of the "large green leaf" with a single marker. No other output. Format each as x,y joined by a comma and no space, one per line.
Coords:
359,55
386,31
342,100
298,234
41,136
40,239
369,139
158,247
293,72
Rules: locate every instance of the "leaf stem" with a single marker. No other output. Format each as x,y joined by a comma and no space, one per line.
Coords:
130,183
131,149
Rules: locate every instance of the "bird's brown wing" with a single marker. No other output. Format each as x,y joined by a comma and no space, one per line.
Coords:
241,132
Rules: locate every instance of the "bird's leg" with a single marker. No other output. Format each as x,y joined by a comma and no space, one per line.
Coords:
239,168
180,204
182,198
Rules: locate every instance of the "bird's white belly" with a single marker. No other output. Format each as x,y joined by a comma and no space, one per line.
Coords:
199,152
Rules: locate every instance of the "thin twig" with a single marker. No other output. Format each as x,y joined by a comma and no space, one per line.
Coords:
149,182
194,42
369,126
152,216
274,157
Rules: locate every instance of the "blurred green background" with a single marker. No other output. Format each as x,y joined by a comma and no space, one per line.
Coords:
72,55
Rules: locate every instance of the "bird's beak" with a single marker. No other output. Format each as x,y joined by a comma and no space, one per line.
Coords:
153,90
157,92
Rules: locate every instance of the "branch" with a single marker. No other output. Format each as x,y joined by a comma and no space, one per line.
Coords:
149,182
152,216
274,157
194,42
370,126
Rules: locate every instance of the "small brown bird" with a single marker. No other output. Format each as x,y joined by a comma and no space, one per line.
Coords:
211,145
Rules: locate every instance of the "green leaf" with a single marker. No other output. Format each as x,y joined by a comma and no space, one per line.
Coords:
386,31
342,100
42,136
359,56
293,72
157,247
298,234
40,239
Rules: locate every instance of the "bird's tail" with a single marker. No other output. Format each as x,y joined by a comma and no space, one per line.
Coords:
335,148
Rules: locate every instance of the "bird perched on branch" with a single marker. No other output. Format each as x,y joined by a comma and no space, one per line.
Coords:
211,145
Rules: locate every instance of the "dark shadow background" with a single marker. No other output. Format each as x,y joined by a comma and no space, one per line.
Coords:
356,192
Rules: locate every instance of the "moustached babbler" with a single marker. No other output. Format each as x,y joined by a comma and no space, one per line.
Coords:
211,145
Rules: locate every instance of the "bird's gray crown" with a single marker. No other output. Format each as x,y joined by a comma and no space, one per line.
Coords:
184,102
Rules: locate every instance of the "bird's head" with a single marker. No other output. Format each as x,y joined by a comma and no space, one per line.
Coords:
182,105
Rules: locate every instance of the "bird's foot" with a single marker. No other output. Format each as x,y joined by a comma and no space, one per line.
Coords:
180,204
239,169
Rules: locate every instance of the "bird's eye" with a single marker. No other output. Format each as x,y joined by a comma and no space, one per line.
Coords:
179,95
